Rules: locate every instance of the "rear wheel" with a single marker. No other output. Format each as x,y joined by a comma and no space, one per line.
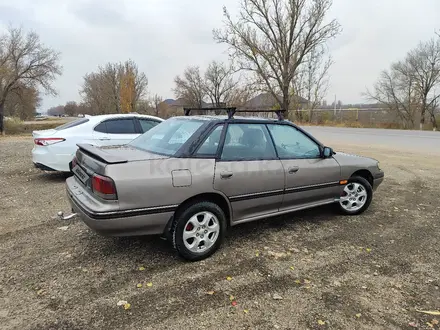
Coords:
356,196
198,231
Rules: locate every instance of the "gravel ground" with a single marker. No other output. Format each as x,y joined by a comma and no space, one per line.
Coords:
308,270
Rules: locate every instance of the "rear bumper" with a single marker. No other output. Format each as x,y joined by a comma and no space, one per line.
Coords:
119,223
45,159
43,167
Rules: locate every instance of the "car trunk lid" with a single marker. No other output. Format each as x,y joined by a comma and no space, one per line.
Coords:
117,154
43,133
92,160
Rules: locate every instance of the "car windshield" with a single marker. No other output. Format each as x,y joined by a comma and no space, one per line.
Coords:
167,137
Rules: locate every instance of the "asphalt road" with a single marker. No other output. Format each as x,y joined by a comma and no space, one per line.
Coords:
398,140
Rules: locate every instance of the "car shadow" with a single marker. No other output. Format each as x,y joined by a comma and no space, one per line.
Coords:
154,248
53,176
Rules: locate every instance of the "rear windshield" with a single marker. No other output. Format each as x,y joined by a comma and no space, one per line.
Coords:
72,124
167,137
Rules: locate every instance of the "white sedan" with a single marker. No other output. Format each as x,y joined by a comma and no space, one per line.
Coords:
55,148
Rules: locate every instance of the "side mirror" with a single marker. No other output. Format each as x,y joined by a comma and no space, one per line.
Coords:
327,152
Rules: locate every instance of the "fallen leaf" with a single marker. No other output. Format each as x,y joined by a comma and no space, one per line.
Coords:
257,254
231,298
430,325
64,228
413,324
298,281
121,302
141,268
292,268
306,281
41,292
358,315
434,321
234,303
229,278
139,285
321,322
149,284
245,311
127,306
306,287
368,249
429,312
210,293
276,296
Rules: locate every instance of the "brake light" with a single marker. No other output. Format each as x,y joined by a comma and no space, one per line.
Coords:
103,186
47,141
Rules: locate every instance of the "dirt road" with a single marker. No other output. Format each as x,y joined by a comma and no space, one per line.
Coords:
308,270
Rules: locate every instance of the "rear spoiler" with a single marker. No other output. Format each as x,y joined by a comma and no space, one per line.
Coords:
100,154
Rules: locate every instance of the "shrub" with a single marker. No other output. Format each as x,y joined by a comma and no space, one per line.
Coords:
13,126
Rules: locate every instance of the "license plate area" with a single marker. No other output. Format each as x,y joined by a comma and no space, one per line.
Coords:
81,174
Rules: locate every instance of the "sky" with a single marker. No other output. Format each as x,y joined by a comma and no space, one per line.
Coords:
165,36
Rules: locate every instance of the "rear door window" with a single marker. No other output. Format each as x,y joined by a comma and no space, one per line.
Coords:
101,128
210,145
247,142
121,126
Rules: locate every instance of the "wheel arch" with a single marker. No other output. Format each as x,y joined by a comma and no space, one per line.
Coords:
366,174
214,197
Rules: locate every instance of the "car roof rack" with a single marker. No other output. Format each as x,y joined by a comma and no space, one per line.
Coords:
232,110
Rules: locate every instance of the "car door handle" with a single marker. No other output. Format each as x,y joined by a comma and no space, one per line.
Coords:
226,175
104,139
293,169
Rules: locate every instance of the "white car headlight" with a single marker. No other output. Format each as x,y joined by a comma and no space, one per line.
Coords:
378,165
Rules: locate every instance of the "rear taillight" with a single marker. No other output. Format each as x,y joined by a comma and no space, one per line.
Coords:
103,186
73,163
47,141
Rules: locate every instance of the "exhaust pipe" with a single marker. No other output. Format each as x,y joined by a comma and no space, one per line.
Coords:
67,217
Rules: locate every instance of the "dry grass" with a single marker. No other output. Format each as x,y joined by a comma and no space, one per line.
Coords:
371,271
16,126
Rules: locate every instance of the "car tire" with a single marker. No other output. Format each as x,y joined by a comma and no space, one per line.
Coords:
204,227
357,186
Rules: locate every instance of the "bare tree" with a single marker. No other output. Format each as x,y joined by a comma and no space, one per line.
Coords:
411,86
271,39
22,102
219,83
191,87
114,88
396,89
423,65
156,100
56,111
432,110
312,81
71,108
25,61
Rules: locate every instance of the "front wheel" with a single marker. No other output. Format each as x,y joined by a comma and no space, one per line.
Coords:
356,196
198,231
